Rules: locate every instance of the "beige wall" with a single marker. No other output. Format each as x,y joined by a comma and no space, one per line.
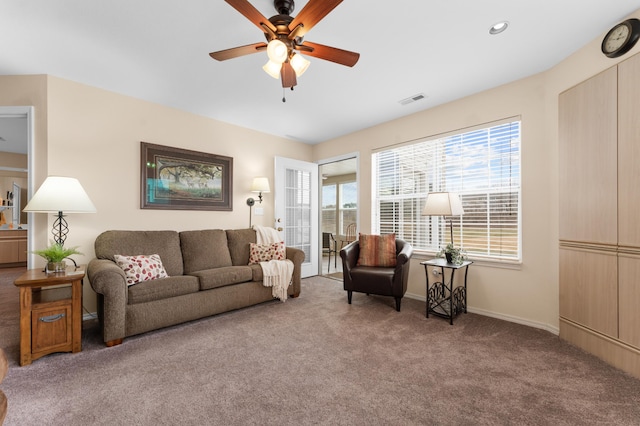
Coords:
529,293
12,160
94,135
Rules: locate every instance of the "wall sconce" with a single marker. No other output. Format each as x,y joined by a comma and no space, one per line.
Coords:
259,185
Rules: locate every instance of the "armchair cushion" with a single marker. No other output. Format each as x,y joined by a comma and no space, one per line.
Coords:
377,250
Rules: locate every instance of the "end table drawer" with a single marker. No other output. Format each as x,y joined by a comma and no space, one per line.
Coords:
51,328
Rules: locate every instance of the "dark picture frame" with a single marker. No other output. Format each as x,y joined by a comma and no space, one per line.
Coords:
181,179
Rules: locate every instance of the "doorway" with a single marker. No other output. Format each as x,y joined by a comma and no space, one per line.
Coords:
16,147
296,208
339,210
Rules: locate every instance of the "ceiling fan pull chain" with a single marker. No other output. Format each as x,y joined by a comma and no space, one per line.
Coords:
283,98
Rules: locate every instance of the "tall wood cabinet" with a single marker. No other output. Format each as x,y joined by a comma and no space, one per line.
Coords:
599,131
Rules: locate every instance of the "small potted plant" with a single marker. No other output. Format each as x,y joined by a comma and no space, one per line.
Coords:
55,255
453,254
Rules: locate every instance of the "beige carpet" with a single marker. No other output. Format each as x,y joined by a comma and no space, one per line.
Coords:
335,276
318,360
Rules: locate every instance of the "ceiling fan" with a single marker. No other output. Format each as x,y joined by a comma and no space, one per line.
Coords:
284,34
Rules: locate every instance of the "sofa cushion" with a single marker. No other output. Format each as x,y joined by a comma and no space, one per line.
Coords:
141,268
256,271
204,249
377,250
239,240
163,288
132,243
220,277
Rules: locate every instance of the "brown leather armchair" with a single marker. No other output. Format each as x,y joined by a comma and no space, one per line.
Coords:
382,281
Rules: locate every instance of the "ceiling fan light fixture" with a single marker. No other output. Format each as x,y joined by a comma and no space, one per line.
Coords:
299,64
277,51
273,69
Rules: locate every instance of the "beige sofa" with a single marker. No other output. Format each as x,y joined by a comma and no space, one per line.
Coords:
208,273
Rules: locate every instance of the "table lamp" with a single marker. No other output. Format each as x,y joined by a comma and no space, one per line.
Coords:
443,204
59,194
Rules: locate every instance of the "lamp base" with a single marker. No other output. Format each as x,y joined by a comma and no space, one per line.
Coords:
60,229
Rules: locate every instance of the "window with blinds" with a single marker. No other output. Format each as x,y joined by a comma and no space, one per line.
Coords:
481,165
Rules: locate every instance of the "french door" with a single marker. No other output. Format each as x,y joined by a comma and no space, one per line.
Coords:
296,208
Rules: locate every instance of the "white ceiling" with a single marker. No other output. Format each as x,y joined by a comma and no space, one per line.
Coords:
158,50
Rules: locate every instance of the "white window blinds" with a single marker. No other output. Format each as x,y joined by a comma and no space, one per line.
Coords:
481,165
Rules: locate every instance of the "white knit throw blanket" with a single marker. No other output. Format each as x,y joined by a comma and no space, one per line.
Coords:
276,274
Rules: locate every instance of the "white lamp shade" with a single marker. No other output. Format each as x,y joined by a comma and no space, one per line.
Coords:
277,51
442,204
60,194
299,64
260,184
272,69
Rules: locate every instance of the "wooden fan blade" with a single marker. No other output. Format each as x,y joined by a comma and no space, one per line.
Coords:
311,14
288,75
234,52
251,13
328,53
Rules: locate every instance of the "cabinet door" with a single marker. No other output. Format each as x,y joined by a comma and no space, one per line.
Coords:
589,289
629,288
588,160
8,251
51,328
629,152
22,251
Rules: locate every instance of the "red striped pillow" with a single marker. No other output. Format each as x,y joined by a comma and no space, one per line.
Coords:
377,250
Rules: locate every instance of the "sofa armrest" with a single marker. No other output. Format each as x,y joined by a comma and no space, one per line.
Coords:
297,257
108,280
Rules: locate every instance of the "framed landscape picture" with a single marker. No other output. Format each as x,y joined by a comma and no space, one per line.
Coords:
181,179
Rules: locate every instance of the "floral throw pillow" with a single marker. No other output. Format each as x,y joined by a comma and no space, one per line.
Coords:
266,252
377,250
279,252
141,268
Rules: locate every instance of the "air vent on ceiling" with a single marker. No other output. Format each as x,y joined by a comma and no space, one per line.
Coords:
412,99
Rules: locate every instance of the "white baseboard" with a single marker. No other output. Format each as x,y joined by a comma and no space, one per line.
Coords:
510,318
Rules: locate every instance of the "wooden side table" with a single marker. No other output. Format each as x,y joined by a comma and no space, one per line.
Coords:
50,312
443,299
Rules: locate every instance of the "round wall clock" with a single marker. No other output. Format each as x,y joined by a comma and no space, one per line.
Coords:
621,38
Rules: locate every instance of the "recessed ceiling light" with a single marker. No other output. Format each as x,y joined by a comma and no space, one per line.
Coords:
498,27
